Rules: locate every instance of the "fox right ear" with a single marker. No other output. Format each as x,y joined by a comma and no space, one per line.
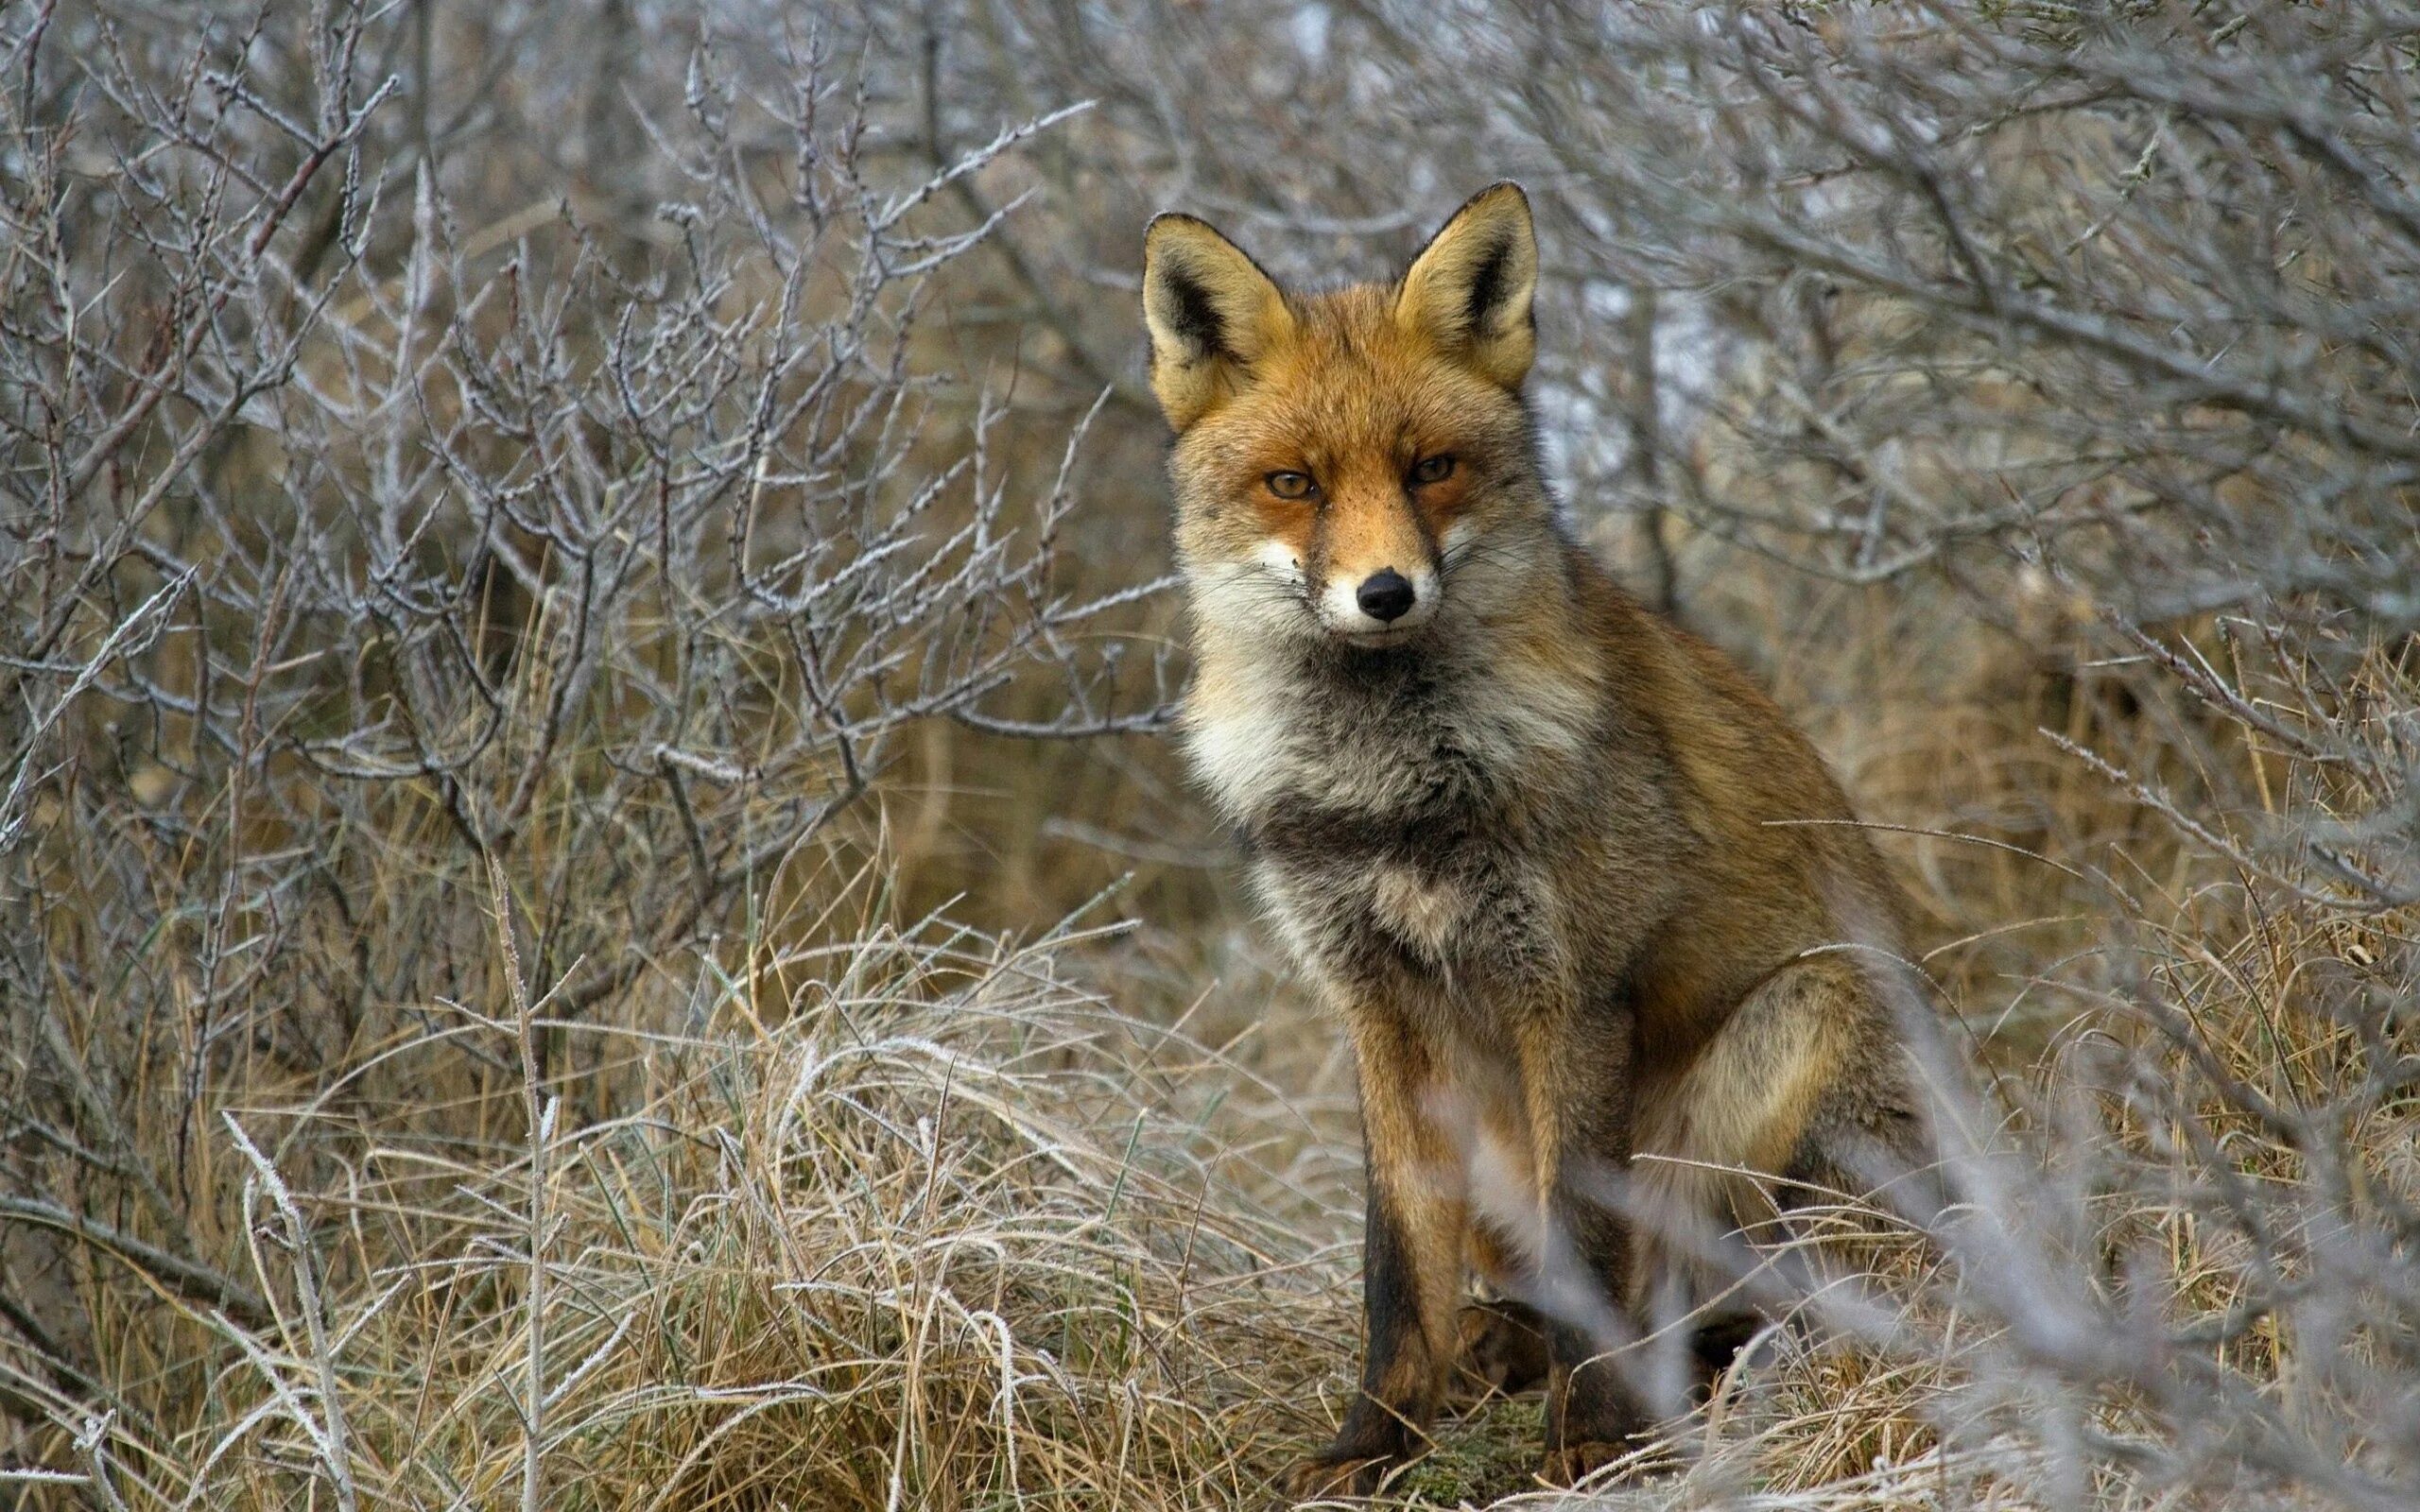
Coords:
1212,313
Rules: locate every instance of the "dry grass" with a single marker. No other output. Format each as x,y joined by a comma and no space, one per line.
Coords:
873,1210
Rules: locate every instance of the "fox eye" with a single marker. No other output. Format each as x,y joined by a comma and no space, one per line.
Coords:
1291,485
1432,470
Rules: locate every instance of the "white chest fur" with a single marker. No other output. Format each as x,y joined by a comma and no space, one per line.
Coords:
1265,729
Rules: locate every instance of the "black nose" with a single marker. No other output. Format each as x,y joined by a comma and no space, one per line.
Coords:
1385,595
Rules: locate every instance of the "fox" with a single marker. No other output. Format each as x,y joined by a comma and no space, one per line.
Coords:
1601,930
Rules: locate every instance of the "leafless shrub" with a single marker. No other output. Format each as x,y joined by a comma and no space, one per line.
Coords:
540,468
2113,308
358,554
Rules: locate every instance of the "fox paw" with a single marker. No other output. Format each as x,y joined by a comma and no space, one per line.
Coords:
1574,1462
1333,1472
1503,1350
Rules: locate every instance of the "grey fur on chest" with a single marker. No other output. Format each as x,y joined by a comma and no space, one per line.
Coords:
1404,814
1408,851
1468,927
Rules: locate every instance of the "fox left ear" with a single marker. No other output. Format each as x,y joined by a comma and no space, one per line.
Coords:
1469,289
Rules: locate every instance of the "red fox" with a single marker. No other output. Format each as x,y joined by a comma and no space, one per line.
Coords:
1547,857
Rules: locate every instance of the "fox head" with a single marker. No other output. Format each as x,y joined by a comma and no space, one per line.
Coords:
1349,463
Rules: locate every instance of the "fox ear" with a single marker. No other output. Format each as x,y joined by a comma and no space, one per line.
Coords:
1469,289
1212,313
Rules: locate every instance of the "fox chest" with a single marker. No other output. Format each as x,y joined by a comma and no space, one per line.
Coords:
1462,918
1403,825
1426,740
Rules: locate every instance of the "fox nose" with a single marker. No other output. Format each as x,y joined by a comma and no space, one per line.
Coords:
1385,594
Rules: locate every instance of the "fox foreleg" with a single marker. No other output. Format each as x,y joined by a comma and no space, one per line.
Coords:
1412,1277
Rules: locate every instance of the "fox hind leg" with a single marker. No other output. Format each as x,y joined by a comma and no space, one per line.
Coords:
1806,1090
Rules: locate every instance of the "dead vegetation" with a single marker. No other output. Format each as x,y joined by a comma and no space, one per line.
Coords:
595,916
